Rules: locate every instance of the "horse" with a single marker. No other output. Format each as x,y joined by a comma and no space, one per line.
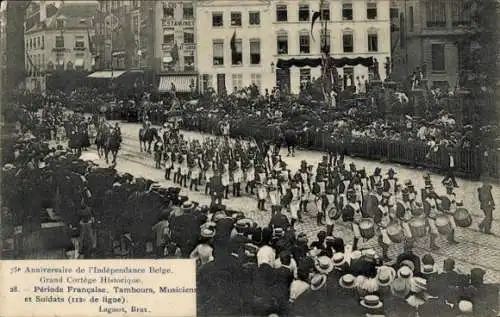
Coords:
290,141
112,144
147,136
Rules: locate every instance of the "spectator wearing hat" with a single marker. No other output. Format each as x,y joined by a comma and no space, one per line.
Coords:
300,247
240,238
385,277
319,244
487,205
485,296
161,231
395,304
279,220
450,281
284,278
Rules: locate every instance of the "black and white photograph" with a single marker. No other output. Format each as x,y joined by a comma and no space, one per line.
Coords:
314,158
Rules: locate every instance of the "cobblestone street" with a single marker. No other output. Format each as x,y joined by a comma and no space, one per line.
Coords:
474,249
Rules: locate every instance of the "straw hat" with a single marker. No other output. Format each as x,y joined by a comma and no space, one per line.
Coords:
207,233
347,281
409,264
465,307
405,272
318,281
323,265
338,259
418,284
371,302
385,275
355,255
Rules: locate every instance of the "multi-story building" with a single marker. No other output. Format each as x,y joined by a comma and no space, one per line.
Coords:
61,42
235,44
3,47
430,39
354,28
175,45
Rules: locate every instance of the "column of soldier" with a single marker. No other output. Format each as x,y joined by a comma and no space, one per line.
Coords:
374,206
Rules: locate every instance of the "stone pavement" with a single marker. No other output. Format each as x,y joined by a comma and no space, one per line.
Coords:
475,249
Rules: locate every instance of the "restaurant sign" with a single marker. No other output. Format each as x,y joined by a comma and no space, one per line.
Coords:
172,23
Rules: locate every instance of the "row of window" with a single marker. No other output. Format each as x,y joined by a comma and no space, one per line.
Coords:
282,47
187,11
169,36
305,43
35,42
436,12
304,14
188,63
236,81
38,61
38,42
79,41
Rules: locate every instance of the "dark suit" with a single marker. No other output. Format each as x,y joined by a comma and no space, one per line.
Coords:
415,259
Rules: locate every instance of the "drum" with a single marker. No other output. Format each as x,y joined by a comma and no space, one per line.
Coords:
417,212
395,232
445,203
418,227
443,224
462,218
367,228
370,204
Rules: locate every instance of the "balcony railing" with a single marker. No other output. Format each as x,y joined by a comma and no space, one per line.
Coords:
79,48
59,49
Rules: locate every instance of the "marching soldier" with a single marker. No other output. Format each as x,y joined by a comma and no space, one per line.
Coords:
343,186
487,205
390,184
351,213
449,201
216,188
158,150
274,193
177,166
169,163
209,174
329,209
237,176
293,200
305,190
194,173
226,179
376,178
404,207
261,195
250,177
382,219
319,189
430,210
412,194
184,169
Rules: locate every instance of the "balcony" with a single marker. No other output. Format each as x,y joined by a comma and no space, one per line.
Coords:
79,48
167,46
59,49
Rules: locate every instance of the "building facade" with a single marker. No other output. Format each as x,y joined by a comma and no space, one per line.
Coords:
430,37
61,42
354,29
175,46
226,63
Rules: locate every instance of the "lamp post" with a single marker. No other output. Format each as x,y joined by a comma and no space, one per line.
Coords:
272,67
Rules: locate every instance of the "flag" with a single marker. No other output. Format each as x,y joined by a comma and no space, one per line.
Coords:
91,44
315,17
30,61
233,42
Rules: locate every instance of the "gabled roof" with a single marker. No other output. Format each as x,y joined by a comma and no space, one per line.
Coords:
75,15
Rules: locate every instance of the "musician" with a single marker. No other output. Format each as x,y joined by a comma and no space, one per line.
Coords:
449,200
261,195
237,175
261,174
158,150
194,173
284,186
250,177
216,187
343,186
352,170
390,184
365,181
376,178
352,213
329,209
487,205
169,163
318,190
412,193
404,207
382,219
202,168
358,188
430,211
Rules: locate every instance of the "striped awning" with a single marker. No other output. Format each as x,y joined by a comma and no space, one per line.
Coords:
181,83
107,74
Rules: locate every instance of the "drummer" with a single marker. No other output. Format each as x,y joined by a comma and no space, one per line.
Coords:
412,193
382,218
451,204
404,206
352,213
430,210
